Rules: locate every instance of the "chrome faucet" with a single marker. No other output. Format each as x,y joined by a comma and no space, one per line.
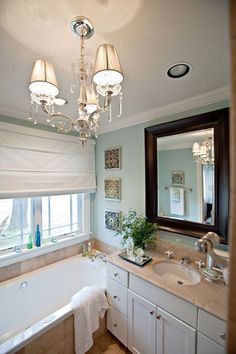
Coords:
206,245
98,255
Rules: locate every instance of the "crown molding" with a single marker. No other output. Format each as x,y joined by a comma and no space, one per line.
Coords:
188,104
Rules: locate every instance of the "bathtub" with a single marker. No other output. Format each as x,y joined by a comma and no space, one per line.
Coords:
35,301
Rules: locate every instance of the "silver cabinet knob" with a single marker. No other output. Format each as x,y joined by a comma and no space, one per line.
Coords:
115,274
158,317
223,336
151,312
115,296
115,324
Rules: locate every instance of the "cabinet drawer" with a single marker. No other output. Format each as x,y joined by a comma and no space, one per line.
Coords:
212,327
171,303
117,274
117,296
117,324
207,346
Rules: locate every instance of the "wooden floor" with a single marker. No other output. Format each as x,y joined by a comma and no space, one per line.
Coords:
108,344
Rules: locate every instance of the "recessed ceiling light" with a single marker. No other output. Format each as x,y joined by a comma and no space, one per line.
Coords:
59,101
178,70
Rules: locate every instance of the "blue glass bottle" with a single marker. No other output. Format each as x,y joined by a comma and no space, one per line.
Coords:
37,237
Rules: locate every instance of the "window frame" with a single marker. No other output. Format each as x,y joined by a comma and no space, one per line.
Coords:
9,256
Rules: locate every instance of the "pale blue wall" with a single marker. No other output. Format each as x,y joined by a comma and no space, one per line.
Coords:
132,174
178,160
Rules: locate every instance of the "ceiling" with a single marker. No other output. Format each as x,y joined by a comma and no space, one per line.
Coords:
149,36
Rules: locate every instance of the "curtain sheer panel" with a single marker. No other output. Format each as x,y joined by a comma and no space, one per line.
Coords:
35,162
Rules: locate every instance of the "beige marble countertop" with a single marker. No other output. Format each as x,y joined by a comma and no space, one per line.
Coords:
209,296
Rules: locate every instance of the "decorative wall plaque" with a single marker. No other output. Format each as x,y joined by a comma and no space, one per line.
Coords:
112,219
112,187
177,178
112,158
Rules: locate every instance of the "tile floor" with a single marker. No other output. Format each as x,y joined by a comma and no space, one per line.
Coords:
108,344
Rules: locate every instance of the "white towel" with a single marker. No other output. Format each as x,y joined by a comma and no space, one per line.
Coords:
88,305
177,201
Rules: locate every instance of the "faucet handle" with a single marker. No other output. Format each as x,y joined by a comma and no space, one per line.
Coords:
185,260
200,264
169,254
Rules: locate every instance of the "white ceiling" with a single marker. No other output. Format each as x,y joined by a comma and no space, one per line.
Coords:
149,35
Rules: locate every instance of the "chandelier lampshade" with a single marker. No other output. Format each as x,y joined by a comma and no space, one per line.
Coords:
95,89
43,79
107,68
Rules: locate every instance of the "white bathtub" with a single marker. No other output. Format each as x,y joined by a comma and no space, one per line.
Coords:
34,301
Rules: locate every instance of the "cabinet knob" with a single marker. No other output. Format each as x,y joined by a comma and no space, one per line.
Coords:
223,336
115,324
115,274
151,312
158,317
115,296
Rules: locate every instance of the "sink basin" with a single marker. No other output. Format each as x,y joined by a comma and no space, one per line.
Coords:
176,273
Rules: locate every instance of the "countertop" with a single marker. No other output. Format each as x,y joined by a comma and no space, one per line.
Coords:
209,296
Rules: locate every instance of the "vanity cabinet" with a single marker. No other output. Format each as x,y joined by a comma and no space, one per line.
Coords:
150,320
117,296
153,330
211,334
173,335
141,325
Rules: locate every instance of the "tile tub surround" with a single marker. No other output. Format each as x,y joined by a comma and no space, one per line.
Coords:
60,339
28,265
211,297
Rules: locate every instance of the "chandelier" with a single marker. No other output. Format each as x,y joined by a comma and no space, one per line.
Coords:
204,153
91,85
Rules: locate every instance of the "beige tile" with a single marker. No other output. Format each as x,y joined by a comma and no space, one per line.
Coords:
73,250
69,326
69,344
110,345
10,272
114,349
101,330
48,340
32,264
103,247
55,256
57,349
94,350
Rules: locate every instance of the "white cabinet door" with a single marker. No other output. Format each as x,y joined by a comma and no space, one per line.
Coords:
141,325
173,335
207,346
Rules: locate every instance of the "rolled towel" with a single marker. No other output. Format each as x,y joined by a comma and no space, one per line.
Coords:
88,305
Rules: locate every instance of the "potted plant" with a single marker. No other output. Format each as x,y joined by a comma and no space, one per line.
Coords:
138,228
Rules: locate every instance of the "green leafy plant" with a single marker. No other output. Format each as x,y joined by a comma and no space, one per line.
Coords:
138,228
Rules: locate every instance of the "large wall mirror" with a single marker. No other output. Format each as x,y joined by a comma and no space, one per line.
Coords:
187,167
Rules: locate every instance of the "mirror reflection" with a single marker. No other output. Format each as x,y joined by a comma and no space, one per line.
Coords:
186,176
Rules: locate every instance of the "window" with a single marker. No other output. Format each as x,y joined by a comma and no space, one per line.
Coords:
59,217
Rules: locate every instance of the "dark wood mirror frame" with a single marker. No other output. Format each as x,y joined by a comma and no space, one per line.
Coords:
219,120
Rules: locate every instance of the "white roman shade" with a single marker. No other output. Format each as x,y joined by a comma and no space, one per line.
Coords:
35,162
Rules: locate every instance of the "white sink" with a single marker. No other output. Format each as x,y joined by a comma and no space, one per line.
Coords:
176,273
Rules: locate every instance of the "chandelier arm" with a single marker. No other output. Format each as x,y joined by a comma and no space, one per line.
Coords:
60,125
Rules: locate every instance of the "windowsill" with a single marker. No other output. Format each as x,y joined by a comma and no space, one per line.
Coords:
13,257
